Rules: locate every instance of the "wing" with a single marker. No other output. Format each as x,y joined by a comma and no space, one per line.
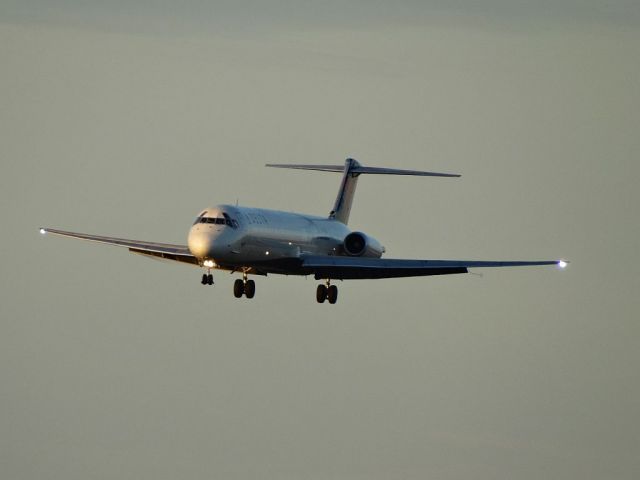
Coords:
166,251
344,268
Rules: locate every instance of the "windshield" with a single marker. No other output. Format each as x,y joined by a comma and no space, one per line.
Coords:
218,221
226,220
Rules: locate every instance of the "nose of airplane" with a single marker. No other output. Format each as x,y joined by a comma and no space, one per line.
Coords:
200,244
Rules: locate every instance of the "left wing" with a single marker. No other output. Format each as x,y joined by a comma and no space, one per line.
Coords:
166,251
346,268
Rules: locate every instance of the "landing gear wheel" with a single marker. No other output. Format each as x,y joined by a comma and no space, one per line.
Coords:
250,288
210,279
204,279
321,293
332,294
238,288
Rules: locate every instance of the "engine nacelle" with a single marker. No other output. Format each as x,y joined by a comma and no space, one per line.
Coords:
357,244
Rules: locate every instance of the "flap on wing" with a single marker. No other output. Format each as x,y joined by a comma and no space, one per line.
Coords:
166,256
347,268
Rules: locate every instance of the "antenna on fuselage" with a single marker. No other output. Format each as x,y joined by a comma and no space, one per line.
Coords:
351,171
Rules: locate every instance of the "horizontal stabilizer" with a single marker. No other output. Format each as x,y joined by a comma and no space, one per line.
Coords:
395,171
358,170
351,170
318,168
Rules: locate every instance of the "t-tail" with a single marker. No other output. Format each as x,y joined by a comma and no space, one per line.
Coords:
351,171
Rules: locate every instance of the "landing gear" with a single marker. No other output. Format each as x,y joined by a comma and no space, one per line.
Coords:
244,287
207,279
321,293
327,292
332,294
238,288
250,289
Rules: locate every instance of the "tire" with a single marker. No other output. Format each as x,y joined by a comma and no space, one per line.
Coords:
321,293
204,279
332,294
238,288
250,289
210,279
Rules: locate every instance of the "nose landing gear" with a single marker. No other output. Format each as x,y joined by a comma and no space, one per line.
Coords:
207,279
327,292
244,287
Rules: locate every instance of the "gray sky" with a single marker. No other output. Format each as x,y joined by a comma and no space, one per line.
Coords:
127,118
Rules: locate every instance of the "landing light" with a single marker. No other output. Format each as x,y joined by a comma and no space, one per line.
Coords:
43,231
562,264
209,263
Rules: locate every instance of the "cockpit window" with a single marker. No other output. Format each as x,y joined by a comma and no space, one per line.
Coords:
232,222
226,220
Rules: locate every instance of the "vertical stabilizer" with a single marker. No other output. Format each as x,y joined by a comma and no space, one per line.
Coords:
344,200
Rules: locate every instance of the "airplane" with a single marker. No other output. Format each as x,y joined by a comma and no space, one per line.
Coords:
256,241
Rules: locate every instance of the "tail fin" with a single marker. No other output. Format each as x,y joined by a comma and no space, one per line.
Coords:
351,171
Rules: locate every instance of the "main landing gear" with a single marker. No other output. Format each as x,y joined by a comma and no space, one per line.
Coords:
241,287
244,287
327,292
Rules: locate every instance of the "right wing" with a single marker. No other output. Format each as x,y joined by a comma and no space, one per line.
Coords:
165,251
345,268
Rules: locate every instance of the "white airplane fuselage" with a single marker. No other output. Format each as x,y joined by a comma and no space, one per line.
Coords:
232,235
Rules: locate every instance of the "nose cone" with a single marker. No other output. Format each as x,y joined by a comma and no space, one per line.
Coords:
200,243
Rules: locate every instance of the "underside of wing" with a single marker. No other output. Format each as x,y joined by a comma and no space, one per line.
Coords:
346,268
164,251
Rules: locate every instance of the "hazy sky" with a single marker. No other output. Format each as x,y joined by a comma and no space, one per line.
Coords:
127,118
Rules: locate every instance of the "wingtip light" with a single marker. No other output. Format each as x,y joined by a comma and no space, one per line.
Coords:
42,231
563,263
